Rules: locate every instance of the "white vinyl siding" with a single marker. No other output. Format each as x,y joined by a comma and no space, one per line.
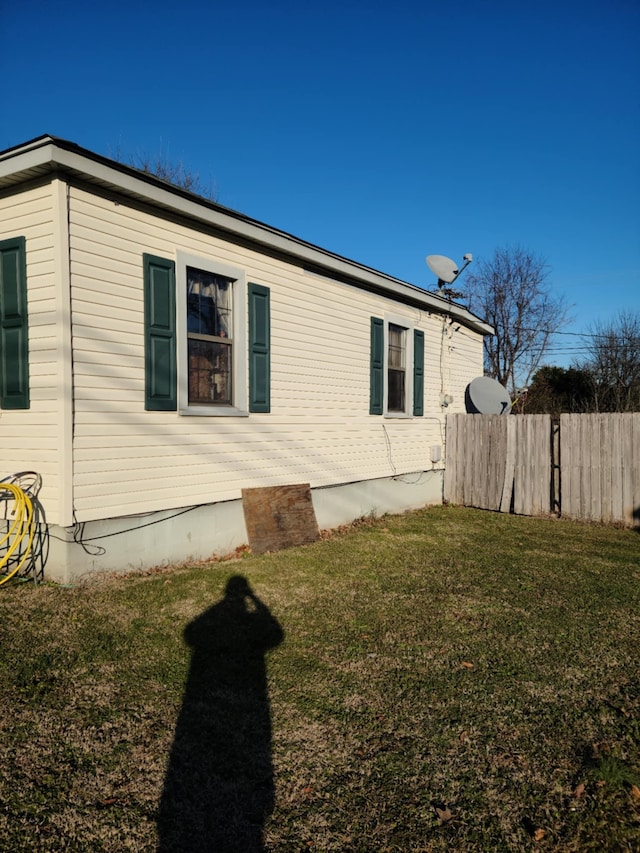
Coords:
30,438
319,430
461,351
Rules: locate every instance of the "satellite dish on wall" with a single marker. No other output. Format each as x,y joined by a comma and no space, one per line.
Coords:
443,267
485,396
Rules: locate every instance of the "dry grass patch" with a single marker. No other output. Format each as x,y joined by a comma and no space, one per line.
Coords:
447,680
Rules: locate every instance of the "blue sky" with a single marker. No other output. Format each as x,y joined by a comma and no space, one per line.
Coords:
383,131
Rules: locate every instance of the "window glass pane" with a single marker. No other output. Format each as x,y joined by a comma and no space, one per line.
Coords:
208,304
396,346
209,334
209,372
396,350
395,401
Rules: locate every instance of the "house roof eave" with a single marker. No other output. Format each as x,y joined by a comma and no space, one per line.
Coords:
47,154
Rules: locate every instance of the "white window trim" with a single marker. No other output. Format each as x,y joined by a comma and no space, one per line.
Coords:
396,320
239,339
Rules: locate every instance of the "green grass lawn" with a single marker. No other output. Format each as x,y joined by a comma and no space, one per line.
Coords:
450,679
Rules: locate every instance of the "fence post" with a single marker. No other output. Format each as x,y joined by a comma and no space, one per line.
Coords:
556,477
510,466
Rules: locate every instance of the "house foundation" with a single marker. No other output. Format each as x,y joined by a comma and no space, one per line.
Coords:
193,534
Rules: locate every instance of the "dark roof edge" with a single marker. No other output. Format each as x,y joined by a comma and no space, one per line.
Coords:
50,152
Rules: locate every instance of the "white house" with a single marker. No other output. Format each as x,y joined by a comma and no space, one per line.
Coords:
159,353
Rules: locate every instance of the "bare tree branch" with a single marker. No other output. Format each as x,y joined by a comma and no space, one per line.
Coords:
511,292
614,362
171,171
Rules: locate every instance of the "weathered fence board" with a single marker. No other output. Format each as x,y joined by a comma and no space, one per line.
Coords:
509,468
600,467
476,453
509,463
532,480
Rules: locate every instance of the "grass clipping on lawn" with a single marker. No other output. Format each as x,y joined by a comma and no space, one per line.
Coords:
450,679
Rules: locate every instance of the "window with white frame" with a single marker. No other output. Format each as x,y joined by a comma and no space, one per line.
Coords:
211,337
396,377
398,383
396,368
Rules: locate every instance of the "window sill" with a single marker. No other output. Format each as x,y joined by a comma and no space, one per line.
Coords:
213,412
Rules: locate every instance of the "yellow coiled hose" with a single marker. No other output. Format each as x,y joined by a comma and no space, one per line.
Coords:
17,541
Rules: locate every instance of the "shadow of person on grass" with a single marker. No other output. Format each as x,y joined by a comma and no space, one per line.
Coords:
219,789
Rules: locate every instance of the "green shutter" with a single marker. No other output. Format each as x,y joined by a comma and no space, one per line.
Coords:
376,386
259,349
160,335
418,372
14,331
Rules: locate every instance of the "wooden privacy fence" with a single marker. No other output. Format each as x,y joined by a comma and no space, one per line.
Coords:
600,467
582,466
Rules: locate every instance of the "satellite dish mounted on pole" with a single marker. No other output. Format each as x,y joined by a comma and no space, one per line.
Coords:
447,272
